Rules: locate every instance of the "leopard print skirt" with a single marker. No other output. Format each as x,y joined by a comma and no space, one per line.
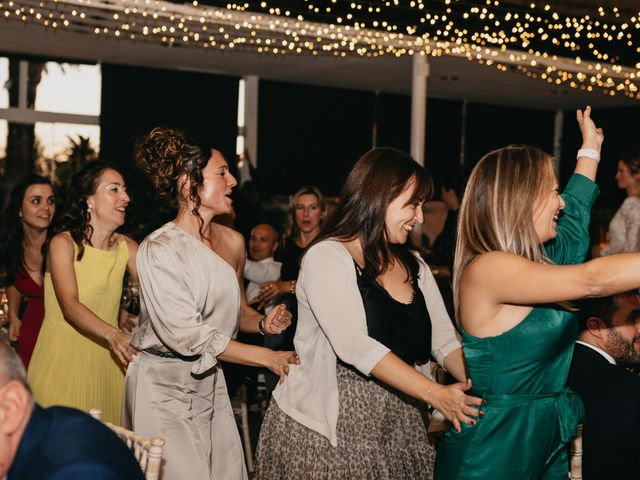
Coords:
381,436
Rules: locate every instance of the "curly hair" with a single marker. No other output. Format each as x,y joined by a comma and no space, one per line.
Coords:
11,231
167,156
75,217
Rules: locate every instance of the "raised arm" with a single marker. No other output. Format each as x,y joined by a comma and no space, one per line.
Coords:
592,138
60,261
507,279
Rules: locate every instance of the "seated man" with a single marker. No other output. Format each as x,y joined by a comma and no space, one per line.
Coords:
57,443
260,267
609,342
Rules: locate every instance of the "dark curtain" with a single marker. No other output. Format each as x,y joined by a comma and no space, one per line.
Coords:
442,134
490,127
310,136
135,100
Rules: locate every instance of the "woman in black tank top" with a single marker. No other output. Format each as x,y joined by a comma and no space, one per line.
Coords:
368,310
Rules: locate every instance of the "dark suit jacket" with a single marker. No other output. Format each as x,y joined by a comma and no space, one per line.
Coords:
611,396
64,444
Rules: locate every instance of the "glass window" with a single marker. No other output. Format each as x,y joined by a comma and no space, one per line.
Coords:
4,78
3,137
69,88
54,139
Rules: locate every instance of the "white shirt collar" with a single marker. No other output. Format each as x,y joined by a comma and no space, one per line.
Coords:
264,260
609,358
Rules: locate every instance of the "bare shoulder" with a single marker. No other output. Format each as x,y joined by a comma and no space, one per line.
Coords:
493,262
232,239
61,242
132,245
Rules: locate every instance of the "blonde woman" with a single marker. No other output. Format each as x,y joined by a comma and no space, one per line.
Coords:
518,261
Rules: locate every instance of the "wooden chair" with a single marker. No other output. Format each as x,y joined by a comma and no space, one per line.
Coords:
575,456
241,410
147,452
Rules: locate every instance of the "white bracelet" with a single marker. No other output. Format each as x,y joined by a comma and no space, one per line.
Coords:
589,153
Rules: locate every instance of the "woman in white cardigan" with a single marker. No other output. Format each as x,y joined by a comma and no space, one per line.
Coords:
370,316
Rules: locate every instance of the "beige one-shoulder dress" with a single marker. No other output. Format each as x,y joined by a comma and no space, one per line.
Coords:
190,303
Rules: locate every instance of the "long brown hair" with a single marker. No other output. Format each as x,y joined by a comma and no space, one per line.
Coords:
75,216
375,180
496,214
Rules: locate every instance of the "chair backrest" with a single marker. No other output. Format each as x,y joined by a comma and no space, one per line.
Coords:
575,456
148,452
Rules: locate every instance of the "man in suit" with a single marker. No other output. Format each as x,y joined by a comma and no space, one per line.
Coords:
609,342
56,443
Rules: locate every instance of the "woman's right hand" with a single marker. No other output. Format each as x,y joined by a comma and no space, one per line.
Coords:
119,345
278,362
14,329
454,404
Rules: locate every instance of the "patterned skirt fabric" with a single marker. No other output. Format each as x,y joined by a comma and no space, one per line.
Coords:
381,435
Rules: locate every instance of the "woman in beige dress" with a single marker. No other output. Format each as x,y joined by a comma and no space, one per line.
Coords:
192,304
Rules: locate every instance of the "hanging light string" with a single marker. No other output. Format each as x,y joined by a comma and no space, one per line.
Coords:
580,52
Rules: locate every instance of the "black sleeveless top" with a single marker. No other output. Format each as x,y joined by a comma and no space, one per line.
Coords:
404,328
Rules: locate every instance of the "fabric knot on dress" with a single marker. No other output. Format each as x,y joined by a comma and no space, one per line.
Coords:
214,347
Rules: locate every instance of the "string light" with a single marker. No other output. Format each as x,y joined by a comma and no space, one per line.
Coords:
583,52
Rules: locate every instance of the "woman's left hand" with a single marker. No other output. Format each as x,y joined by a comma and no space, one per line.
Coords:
592,136
277,320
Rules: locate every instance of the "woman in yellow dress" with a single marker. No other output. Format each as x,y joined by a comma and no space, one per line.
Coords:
79,356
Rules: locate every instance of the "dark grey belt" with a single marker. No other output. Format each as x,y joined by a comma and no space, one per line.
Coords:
160,353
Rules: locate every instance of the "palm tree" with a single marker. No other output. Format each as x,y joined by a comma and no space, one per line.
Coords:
78,152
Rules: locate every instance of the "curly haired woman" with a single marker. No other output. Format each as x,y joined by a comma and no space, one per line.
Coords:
192,305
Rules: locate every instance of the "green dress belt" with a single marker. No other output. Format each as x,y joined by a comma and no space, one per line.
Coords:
568,406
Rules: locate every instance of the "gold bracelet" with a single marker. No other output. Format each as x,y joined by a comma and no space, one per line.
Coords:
429,394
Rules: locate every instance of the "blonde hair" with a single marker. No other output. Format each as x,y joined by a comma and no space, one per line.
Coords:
496,214
293,230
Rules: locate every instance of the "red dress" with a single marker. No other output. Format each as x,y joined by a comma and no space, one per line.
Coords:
32,316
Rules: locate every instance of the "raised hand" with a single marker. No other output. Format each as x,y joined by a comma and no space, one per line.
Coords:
592,136
277,320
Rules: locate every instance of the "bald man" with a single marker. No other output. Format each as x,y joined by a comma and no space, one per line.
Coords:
57,443
260,267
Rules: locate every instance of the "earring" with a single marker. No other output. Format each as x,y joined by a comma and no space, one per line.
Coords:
89,209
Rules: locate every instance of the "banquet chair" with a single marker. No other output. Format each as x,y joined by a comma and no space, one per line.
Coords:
575,456
148,452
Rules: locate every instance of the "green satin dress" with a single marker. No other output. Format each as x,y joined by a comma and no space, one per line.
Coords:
530,416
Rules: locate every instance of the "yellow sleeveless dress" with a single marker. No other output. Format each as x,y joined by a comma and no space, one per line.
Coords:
70,368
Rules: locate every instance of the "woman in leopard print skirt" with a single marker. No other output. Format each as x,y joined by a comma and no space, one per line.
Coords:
370,315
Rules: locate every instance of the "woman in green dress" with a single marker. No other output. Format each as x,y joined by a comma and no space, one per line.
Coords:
519,259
